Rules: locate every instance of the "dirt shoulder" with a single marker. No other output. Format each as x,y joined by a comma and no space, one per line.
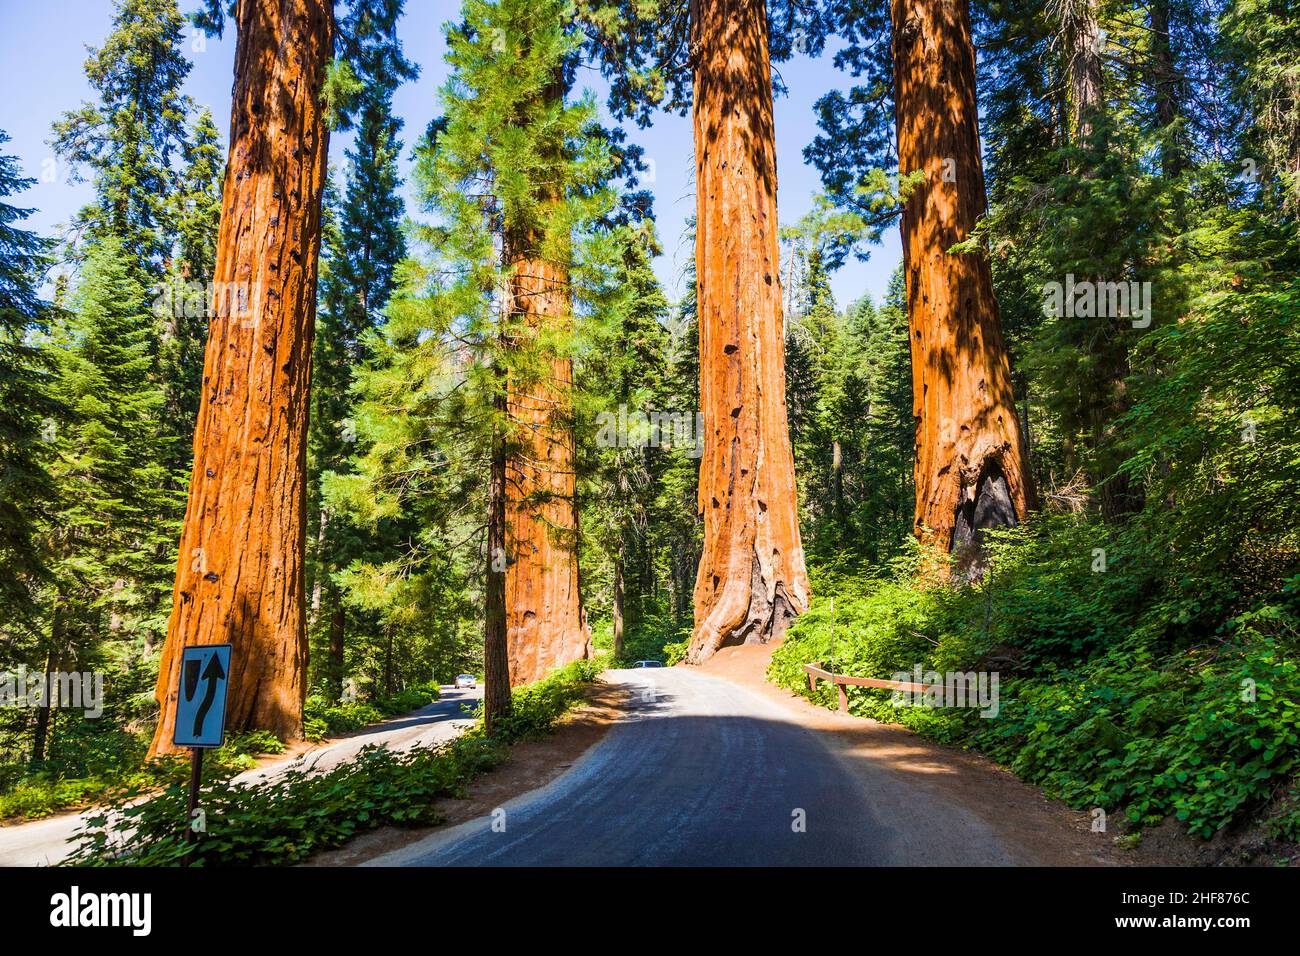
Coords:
1040,831
532,764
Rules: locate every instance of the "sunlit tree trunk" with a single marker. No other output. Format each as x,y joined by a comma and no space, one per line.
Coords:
543,605
240,574
319,573
837,479
546,626
1077,23
969,466
751,580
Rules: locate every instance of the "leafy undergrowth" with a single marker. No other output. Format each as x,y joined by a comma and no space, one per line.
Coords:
118,764
94,763
1121,697
657,638
322,719
298,813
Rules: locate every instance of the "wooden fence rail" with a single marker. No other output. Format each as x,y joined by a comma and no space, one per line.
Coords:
816,672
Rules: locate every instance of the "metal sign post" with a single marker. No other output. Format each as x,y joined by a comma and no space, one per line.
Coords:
200,714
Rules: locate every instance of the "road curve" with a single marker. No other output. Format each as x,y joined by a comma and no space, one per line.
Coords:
50,841
705,772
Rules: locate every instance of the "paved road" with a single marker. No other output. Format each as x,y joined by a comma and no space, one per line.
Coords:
705,772
46,842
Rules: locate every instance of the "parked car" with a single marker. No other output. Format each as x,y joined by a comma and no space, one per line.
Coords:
648,664
467,680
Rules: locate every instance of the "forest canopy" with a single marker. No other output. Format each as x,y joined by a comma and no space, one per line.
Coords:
422,404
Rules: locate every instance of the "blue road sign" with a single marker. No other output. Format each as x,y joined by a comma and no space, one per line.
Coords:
201,697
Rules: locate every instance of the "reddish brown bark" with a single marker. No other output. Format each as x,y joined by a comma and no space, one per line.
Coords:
969,468
545,622
751,580
240,574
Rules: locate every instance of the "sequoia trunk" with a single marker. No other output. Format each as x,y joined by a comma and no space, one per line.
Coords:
969,466
240,574
543,606
751,580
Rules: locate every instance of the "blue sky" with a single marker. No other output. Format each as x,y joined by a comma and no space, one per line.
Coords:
43,48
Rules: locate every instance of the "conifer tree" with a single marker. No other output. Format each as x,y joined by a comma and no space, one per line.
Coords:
621,380
185,306
239,577
155,166
27,410
362,249
103,539
130,137
527,51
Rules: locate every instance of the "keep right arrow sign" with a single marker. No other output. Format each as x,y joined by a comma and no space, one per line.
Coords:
201,696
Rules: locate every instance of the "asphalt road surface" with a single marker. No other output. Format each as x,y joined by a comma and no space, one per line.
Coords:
47,842
705,772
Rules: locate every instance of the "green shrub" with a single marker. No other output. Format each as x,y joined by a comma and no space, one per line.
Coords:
1157,737
35,797
1145,724
657,638
90,761
119,764
536,707
322,719
878,634
284,820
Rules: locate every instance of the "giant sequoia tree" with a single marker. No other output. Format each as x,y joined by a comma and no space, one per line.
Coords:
476,353
509,121
545,622
970,468
751,579
715,56
240,574
970,472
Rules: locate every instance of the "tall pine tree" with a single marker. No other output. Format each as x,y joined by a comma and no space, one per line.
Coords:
27,409
362,249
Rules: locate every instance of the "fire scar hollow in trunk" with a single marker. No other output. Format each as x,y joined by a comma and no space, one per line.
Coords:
970,462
